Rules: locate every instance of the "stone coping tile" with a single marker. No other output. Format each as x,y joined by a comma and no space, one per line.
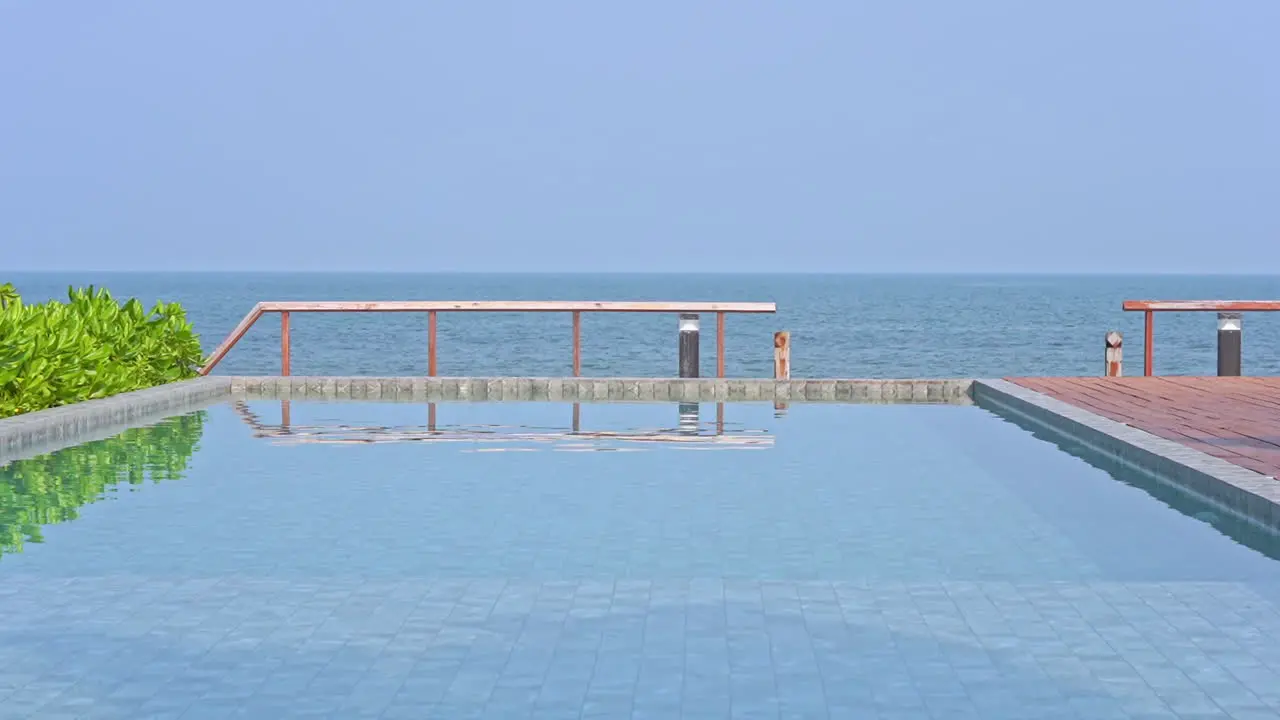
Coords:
48,430
571,389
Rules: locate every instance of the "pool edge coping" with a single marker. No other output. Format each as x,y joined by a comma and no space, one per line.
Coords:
586,389
1244,493
55,428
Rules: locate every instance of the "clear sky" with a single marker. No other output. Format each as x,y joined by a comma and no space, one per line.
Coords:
819,135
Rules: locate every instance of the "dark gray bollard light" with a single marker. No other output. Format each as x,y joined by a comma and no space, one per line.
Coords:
688,345
1229,327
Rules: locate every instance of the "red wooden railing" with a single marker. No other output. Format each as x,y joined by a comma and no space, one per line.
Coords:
432,308
1151,307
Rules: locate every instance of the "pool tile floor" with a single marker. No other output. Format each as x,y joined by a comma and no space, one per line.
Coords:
132,647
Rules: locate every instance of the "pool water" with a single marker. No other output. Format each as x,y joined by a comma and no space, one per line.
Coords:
484,560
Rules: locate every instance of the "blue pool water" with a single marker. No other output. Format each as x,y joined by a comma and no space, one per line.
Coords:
830,561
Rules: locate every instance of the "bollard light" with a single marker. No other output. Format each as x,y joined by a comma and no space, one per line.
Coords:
1229,343
689,345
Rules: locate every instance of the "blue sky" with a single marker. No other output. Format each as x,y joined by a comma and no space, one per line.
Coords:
825,135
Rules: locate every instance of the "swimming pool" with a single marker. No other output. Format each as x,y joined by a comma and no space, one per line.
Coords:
832,560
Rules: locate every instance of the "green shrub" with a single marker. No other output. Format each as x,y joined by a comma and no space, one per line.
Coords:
51,488
88,347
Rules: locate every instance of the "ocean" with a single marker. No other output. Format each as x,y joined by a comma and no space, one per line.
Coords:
868,326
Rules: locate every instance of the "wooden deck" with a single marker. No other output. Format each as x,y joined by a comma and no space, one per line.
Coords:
1236,419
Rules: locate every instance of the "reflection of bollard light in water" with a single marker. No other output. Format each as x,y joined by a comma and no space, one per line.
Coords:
689,418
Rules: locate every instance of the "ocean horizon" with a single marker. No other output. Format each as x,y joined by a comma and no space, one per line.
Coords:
874,325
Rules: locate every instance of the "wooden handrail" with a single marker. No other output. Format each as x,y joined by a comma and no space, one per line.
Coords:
518,306
1202,305
432,307
1150,307
237,333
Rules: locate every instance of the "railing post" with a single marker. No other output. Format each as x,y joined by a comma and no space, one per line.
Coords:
719,344
1115,355
577,343
431,343
782,355
284,343
1148,343
688,345
1229,343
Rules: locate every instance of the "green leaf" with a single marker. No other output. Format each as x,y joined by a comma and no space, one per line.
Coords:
89,346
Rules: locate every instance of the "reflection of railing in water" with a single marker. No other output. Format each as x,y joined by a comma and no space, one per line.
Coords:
688,430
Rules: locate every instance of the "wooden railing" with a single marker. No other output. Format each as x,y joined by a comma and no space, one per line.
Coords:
1228,338
433,308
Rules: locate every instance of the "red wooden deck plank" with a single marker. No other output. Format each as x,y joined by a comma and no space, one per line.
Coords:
1253,422
1249,398
1257,391
1236,419
1252,401
1245,404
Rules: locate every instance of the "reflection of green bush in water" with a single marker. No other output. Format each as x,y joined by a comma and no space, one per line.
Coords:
51,488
